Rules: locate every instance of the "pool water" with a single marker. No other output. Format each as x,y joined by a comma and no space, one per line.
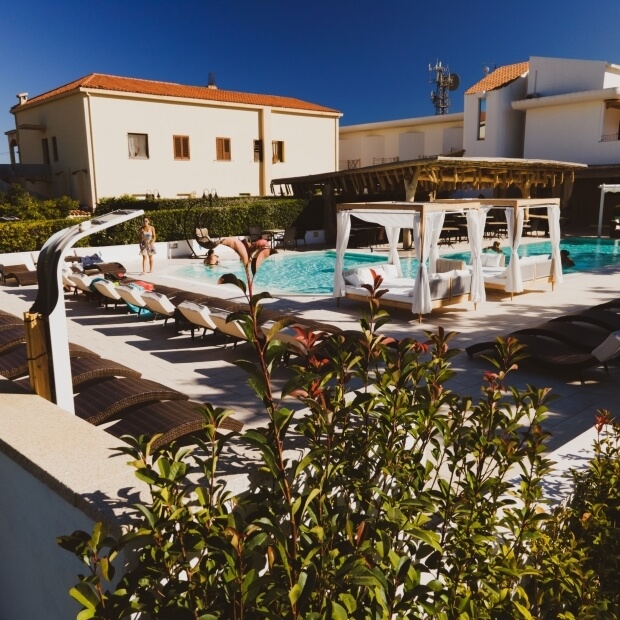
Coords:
588,254
312,273
308,273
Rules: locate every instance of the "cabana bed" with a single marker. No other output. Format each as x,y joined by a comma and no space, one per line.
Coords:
425,291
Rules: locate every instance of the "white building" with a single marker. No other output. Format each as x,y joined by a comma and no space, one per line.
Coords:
546,108
104,136
389,141
572,110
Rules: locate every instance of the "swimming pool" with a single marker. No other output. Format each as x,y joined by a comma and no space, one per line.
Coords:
307,273
588,253
312,273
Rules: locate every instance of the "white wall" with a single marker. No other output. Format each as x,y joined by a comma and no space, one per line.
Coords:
410,145
57,475
310,144
403,139
556,76
504,126
572,133
114,118
64,120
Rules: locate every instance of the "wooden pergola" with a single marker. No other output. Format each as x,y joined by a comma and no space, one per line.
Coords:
436,174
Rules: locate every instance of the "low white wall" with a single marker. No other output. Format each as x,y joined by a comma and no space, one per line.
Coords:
57,475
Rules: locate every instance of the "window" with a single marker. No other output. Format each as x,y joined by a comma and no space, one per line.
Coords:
181,147
277,149
138,144
222,149
54,149
482,118
46,151
258,150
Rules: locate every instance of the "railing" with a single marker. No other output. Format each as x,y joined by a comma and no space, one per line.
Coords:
610,137
384,160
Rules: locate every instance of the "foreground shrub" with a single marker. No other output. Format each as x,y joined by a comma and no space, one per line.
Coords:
390,497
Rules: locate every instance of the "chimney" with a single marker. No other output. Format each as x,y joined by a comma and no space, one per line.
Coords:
211,83
23,97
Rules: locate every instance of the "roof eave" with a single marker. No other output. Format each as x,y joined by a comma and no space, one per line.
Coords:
567,98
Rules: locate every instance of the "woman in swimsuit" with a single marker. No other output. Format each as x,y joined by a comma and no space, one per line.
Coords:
147,244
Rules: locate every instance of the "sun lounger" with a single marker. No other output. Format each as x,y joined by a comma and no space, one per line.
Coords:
12,336
551,355
159,305
20,274
84,369
14,363
107,292
82,283
113,396
198,316
9,320
173,419
132,296
596,316
115,269
231,329
582,336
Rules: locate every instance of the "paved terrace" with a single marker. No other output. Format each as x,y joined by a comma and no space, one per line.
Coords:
205,370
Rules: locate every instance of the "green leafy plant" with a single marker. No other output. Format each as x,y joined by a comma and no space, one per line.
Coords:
388,496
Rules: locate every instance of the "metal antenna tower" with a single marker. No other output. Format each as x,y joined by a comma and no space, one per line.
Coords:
444,81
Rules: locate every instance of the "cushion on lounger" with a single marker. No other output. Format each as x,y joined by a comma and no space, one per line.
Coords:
491,259
353,279
390,271
609,348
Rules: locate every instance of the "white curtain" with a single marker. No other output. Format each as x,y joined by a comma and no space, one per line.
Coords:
392,233
343,223
476,219
514,218
421,290
435,232
553,213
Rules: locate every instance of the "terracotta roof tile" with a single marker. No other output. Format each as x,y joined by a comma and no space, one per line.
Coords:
100,81
500,77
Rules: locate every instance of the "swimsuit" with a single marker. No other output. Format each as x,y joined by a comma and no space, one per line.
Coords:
146,245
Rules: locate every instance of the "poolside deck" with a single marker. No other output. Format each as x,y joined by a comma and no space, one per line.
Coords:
205,369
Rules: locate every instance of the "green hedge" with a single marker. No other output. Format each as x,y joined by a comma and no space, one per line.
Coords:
225,218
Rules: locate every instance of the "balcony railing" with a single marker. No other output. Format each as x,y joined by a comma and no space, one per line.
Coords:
384,160
610,137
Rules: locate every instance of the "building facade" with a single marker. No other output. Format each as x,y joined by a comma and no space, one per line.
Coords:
103,136
370,144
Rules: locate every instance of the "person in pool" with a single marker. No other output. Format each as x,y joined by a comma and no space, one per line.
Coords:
567,261
146,239
212,258
495,248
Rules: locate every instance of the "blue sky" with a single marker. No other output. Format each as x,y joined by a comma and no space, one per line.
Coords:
367,58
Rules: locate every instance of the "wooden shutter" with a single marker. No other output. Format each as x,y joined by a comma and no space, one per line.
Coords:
222,147
181,147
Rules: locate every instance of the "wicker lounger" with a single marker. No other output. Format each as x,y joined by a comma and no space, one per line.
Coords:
22,278
10,319
14,363
174,419
606,318
112,268
110,397
5,269
11,336
85,369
